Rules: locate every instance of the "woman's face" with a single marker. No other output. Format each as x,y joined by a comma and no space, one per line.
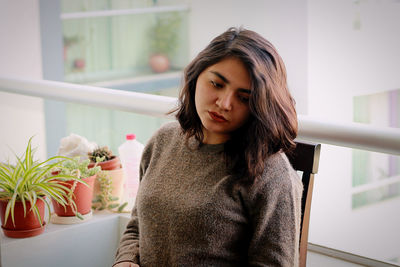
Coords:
222,99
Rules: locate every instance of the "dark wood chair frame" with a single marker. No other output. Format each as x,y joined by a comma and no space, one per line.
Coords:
305,158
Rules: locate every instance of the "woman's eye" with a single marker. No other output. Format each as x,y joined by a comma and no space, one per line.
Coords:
216,85
244,99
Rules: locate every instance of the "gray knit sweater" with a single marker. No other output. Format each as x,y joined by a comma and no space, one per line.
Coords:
190,212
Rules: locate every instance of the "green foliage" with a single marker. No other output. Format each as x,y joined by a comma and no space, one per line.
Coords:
163,33
101,154
105,200
30,180
77,168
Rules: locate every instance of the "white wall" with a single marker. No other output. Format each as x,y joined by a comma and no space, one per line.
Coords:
353,50
20,56
283,23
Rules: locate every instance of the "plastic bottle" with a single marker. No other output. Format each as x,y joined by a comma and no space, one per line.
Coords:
130,153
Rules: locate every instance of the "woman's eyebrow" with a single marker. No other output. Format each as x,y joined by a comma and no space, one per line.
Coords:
222,77
247,91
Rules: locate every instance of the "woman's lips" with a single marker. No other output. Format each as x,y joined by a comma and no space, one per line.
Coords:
217,117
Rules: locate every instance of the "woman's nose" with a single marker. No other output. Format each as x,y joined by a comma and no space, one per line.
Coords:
224,100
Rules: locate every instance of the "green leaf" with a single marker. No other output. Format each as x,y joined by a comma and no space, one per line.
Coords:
10,208
37,214
79,216
96,200
121,208
47,206
112,206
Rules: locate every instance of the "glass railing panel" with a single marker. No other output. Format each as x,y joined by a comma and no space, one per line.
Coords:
355,203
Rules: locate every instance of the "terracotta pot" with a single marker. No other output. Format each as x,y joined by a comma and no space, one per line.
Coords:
117,177
25,226
82,196
159,63
111,164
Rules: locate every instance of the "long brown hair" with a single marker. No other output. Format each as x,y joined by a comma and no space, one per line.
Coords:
272,125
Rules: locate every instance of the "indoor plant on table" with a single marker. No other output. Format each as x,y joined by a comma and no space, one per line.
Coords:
104,157
24,188
108,187
80,193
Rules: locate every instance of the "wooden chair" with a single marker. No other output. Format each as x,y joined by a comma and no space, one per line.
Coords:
305,158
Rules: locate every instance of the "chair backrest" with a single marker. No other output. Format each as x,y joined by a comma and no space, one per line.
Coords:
305,158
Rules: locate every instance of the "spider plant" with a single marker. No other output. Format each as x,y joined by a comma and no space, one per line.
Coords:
29,180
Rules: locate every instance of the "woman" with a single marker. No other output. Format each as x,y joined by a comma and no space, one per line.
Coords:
216,188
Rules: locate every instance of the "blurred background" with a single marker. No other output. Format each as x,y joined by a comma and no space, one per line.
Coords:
342,59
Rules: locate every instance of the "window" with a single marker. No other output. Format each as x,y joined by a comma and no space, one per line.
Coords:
376,176
112,44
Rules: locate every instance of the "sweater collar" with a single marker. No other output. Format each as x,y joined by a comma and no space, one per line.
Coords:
207,148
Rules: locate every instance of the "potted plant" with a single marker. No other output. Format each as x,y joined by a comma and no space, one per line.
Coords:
80,193
108,191
104,157
163,36
24,188
108,186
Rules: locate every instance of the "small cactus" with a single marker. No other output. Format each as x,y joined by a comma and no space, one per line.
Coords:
103,153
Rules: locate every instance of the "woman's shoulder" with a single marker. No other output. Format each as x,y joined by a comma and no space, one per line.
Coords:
278,169
170,126
278,162
164,137
279,183
167,131
278,175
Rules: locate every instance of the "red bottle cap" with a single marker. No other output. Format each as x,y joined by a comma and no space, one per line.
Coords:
130,136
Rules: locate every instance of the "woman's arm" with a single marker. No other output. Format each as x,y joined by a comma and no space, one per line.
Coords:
275,213
128,250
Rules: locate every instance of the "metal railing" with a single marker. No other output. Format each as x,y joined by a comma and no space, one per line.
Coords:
353,135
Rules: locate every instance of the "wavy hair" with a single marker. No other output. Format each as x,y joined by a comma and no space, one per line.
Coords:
272,125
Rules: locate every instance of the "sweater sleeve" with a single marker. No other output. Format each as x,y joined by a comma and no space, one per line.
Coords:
275,214
128,249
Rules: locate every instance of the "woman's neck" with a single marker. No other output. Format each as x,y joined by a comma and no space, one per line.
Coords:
213,139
